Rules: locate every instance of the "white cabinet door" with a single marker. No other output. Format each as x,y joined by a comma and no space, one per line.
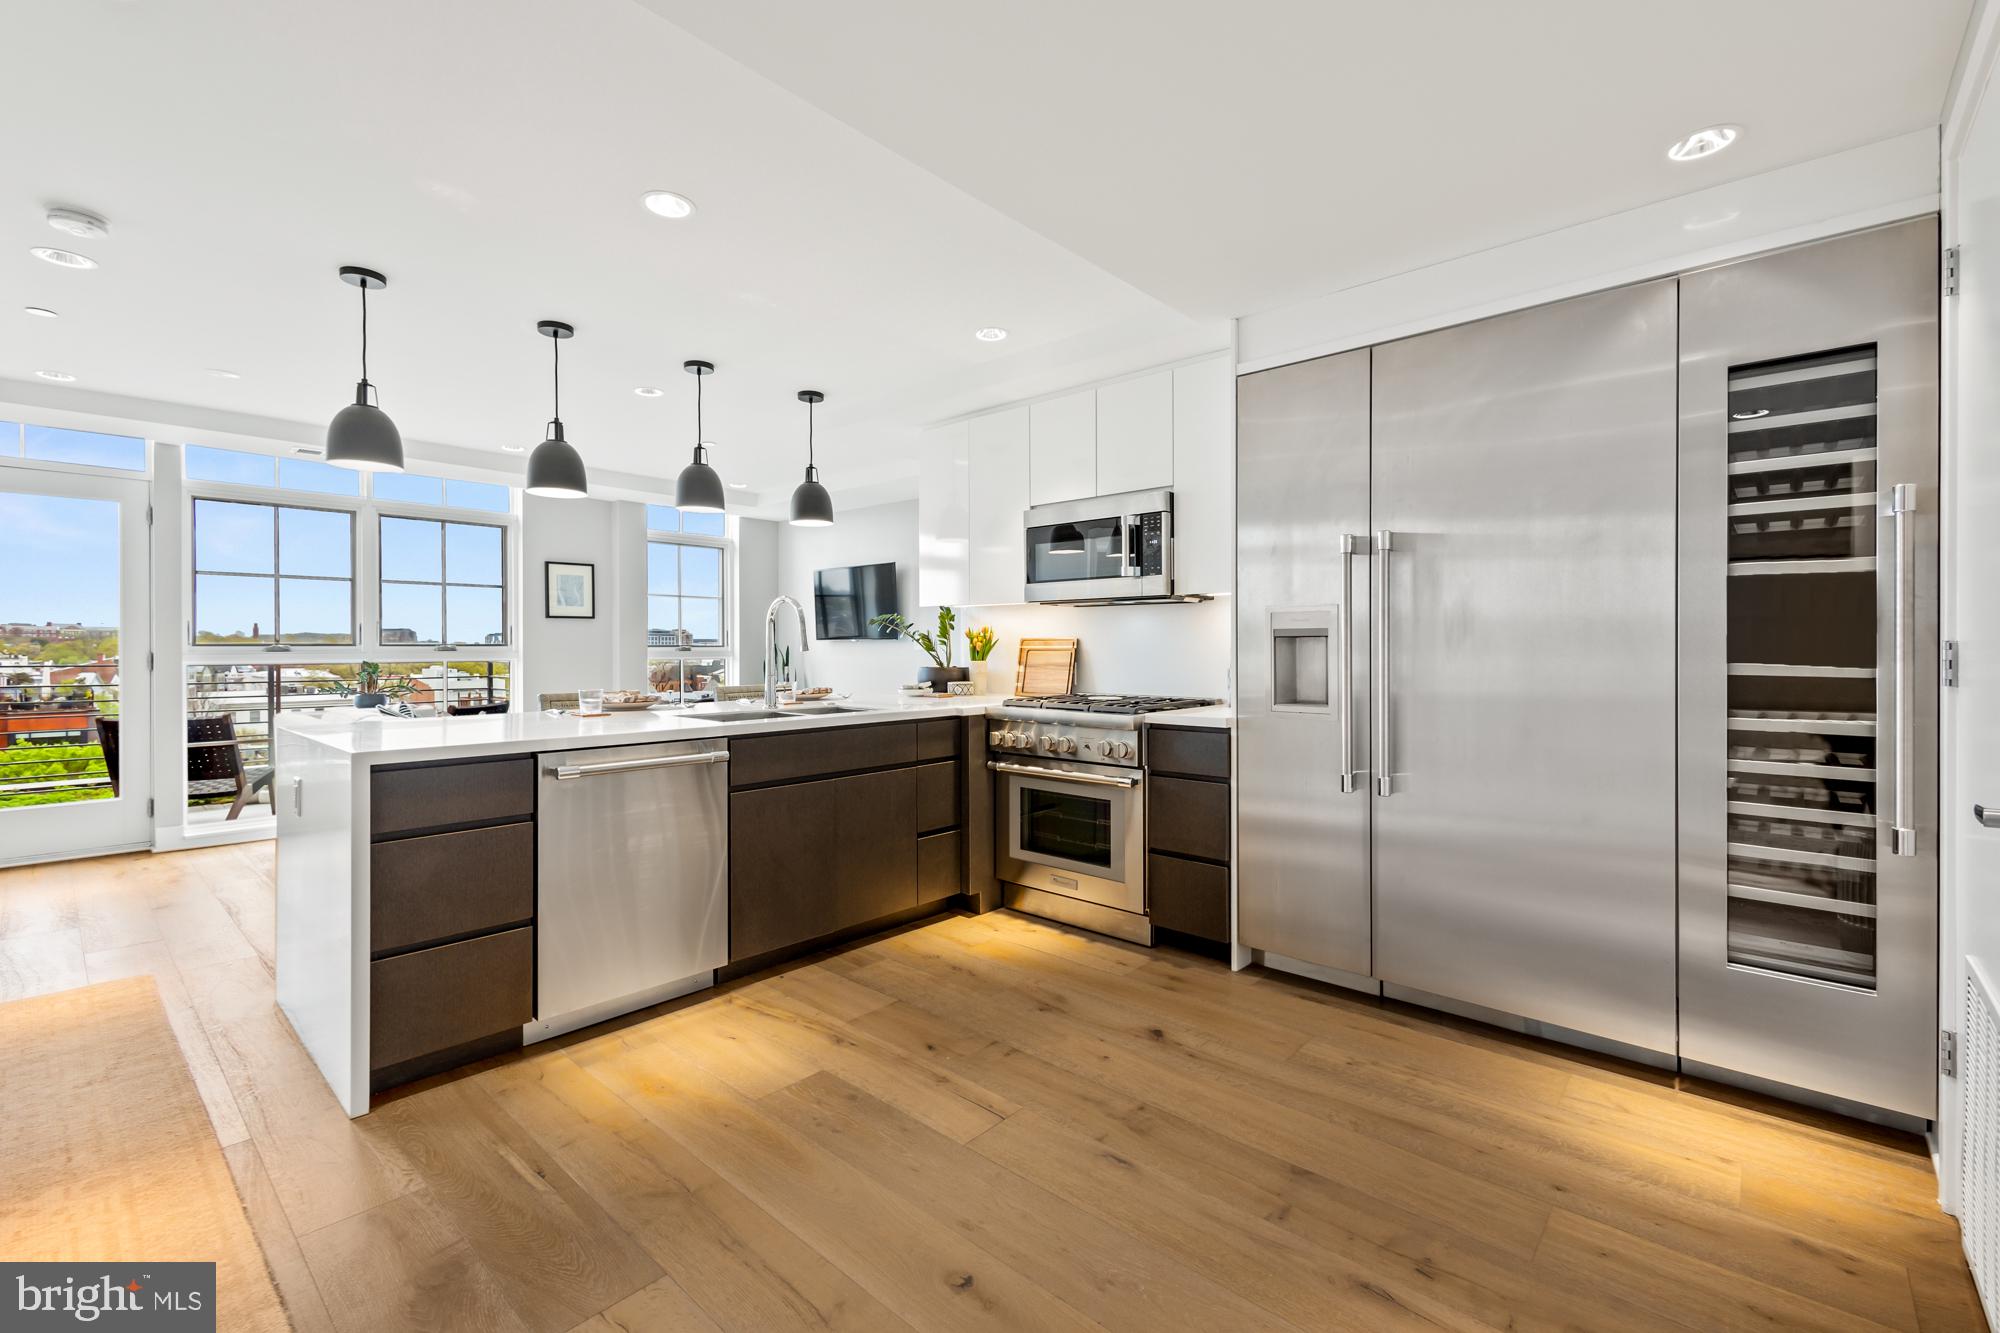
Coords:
1000,453
1135,434
1064,456
944,518
1205,477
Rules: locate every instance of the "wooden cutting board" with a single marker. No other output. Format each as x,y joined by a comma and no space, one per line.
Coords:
1045,666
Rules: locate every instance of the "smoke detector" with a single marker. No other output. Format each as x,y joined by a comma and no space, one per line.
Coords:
76,222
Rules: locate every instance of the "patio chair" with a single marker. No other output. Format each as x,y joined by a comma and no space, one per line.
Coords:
566,702
215,763
107,740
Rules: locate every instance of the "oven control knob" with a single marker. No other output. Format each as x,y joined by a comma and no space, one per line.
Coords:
1065,746
1120,749
1020,740
997,738
1048,745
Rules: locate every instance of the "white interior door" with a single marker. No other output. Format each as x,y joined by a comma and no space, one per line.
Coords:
75,733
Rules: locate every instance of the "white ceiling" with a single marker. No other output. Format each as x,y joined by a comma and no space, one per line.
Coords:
489,155
875,179
1232,158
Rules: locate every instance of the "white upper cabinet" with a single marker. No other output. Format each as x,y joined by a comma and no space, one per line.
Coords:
944,493
1205,477
1135,434
1063,458
1000,455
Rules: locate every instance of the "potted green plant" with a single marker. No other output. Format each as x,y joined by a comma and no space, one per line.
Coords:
372,689
941,673
979,645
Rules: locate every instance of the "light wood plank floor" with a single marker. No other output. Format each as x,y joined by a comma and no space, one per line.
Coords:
993,1123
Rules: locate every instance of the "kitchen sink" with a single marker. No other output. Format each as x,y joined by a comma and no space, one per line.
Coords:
826,708
732,714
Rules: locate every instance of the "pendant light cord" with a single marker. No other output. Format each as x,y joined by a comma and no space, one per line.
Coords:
809,432
364,332
697,413
555,377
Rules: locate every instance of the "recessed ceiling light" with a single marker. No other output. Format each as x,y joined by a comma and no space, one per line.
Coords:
40,312
1712,220
1705,143
222,374
62,258
648,391
76,222
989,335
667,204
1750,416
513,448
739,485
56,376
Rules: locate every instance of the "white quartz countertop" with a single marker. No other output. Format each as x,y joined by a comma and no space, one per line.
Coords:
374,738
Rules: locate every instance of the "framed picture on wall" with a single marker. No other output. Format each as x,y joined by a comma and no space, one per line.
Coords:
571,590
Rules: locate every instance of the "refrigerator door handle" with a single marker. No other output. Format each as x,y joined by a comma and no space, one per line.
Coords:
1902,834
1344,644
1384,761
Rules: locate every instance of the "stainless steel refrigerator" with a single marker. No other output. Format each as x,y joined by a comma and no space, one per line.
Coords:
1488,602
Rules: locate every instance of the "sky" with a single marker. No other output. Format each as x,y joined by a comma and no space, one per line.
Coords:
58,559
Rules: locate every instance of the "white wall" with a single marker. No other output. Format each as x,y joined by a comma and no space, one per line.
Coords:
564,655
1180,649
1876,183
756,585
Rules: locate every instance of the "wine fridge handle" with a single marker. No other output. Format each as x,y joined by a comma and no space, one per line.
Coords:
1344,645
1902,832
1382,758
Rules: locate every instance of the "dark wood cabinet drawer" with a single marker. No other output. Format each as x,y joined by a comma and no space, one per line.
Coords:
1202,753
1188,817
937,796
939,738
432,796
940,866
757,760
438,998
1189,896
448,884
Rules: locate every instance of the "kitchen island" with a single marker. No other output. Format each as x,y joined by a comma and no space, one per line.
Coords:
427,900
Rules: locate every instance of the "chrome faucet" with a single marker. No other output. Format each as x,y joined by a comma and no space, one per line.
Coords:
771,645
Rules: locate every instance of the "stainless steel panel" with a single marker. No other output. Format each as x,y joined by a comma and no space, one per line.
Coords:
632,882
1524,853
1301,495
1872,1047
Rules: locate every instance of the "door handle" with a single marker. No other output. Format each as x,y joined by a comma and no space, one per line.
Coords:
1902,833
565,772
1061,775
1345,646
1986,815
1382,759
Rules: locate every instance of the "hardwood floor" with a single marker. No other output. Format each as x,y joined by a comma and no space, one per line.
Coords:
993,1123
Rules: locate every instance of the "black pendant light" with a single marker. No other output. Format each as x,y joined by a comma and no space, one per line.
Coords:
812,507
555,468
699,490
361,436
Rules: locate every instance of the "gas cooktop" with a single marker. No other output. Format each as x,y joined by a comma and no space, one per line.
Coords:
1124,704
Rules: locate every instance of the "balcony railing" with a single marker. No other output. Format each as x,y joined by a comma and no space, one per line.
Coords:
52,743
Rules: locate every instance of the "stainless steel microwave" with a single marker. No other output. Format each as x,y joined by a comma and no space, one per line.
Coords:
1112,548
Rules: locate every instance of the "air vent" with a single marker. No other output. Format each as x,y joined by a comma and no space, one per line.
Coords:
1979,1156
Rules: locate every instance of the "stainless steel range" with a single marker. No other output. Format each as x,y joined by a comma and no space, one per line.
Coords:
1070,807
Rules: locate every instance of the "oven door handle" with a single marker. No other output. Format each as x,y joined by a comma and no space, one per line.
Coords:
1087,779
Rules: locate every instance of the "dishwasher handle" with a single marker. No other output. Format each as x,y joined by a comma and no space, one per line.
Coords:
565,772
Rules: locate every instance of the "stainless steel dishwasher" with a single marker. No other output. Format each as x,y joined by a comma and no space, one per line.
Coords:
632,879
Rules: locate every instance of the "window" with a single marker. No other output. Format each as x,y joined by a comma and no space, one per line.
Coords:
666,518
684,592
443,582
52,444
235,467
270,573
416,488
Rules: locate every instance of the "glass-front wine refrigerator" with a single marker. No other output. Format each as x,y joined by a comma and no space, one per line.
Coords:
1808,726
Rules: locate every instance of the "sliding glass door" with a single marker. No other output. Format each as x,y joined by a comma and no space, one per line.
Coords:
75,769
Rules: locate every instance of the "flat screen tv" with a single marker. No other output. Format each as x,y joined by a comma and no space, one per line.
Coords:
844,600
